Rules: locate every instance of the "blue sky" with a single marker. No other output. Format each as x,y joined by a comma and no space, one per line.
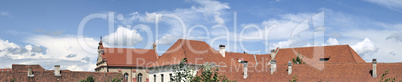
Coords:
47,32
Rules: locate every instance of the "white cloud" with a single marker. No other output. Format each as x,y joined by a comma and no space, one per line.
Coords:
397,36
332,41
365,47
167,39
282,44
6,44
15,51
392,4
48,51
123,37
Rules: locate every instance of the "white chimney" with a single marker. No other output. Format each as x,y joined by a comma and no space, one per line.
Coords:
374,68
222,50
273,54
30,73
289,68
57,70
244,69
273,66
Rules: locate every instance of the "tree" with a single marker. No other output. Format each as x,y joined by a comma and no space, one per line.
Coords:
209,74
298,60
182,73
387,79
294,79
89,79
116,80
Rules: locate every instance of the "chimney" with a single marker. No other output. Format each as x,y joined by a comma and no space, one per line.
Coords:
289,67
273,66
154,47
30,73
244,69
222,50
57,70
374,68
273,54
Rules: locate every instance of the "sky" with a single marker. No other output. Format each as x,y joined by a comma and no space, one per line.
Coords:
67,32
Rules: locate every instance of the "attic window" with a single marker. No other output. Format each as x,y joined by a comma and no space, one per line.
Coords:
324,59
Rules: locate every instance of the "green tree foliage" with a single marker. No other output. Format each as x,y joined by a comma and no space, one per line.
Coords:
209,74
89,79
182,73
116,80
387,79
298,60
294,79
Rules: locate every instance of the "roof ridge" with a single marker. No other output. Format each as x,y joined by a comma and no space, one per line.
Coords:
184,51
351,53
317,46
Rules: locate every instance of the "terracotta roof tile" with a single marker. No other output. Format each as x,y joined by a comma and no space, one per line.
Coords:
41,75
336,54
342,72
196,52
127,57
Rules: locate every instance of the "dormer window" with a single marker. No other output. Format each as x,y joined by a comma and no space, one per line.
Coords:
324,59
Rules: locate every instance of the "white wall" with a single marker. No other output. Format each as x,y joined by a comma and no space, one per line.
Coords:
165,71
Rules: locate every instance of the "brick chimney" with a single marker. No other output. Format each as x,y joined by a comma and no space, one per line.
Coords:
222,50
29,72
57,70
273,66
154,47
289,68
244,69
374,68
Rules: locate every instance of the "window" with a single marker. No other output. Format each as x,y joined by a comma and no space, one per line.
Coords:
125,77
324,59
139,78
161,77
170,76
154,78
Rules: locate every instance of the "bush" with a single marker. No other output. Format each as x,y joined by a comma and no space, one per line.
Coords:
89,79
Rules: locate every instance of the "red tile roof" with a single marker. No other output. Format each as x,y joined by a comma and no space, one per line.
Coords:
127,57
261,59
337,54
342,72
19,74
22,67
196,52
199,52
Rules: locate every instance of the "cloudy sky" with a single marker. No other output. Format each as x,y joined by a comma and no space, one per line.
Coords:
67,32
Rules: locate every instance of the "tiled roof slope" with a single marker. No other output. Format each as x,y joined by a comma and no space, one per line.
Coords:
22,67
353,72
252,59
20,75
199,52
337,54
126,57
196,52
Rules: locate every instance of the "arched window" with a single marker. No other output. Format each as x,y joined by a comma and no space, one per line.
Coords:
139,77
125,77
